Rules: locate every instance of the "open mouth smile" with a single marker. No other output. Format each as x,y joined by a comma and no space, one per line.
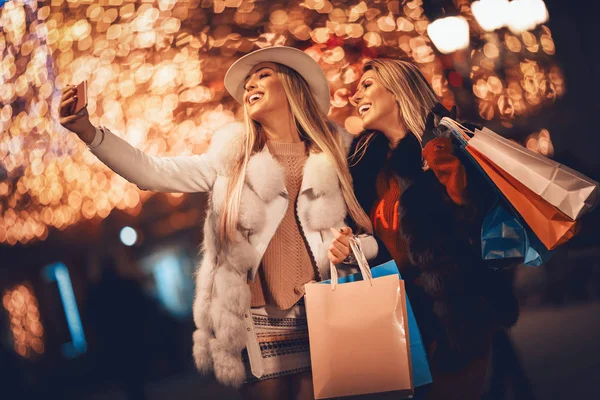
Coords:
363,109
254,97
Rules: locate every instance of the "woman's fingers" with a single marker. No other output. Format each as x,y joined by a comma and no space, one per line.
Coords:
338,251
347,231
337,254
68,101
69,89
67,94
66,106
334,259
344,239
343,247
343,234
67,120
340,245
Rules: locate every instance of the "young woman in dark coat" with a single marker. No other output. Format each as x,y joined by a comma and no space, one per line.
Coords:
427,210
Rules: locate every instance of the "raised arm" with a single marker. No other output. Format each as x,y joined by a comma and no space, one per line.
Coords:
185,174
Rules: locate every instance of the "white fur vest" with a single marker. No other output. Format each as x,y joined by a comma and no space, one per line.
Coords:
222,294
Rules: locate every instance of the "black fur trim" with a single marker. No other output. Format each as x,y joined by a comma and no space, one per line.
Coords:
406,159
364,171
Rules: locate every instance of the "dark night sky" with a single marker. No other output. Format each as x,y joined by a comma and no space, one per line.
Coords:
574,119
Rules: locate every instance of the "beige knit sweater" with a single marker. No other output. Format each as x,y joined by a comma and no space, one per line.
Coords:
286,265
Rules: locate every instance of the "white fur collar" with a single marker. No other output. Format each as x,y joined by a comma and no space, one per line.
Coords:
265,175
225,144
319,171
319,175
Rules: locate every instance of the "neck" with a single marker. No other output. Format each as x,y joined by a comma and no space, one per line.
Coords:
395,134
281,129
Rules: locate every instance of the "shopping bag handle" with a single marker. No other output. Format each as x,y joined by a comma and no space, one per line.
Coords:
457,126
361,260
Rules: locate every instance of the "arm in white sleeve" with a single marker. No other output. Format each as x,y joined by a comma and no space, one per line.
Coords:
369,246
183,174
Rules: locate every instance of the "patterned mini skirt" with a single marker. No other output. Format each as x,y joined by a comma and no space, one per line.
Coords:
282,337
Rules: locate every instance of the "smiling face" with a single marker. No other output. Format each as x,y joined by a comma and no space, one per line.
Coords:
376,106
264,94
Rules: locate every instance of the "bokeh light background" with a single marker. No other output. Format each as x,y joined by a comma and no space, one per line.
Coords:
155,71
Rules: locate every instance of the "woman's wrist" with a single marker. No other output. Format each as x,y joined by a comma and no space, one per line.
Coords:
97,139
89,134
350,258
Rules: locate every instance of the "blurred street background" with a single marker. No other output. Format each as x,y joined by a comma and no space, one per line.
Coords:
96,276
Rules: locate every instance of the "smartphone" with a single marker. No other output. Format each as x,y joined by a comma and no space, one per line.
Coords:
82,99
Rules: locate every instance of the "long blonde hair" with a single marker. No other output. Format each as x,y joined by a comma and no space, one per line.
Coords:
413,94
315,131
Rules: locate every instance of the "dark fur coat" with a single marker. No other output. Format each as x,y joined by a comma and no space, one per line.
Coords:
457,299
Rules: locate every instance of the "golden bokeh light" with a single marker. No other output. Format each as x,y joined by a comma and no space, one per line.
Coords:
541,143
155,76
24,316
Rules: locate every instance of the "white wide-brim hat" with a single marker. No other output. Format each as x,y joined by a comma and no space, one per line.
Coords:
235,78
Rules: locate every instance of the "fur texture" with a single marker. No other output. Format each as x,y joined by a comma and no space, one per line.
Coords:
265,185
458,301
222,293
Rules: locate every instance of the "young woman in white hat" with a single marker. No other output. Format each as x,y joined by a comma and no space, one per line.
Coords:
279,183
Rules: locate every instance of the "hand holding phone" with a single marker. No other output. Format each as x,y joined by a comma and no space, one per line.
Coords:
73,112
82,100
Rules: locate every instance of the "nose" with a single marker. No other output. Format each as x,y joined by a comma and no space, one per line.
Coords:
250,84
356,98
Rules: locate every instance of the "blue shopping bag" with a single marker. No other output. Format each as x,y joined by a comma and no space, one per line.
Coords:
505,235
420,365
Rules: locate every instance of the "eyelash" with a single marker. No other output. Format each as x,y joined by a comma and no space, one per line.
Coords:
366,84
262,75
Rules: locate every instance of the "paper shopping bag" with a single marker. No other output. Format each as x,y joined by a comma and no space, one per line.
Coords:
550,225
421,373
566,189
358,333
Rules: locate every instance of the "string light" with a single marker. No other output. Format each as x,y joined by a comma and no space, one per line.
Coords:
449,34
518,15
155,76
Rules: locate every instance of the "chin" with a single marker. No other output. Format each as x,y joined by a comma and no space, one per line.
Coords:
368,124
375,122
255,115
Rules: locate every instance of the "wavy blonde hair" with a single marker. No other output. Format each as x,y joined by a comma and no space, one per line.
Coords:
315,131
413,94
